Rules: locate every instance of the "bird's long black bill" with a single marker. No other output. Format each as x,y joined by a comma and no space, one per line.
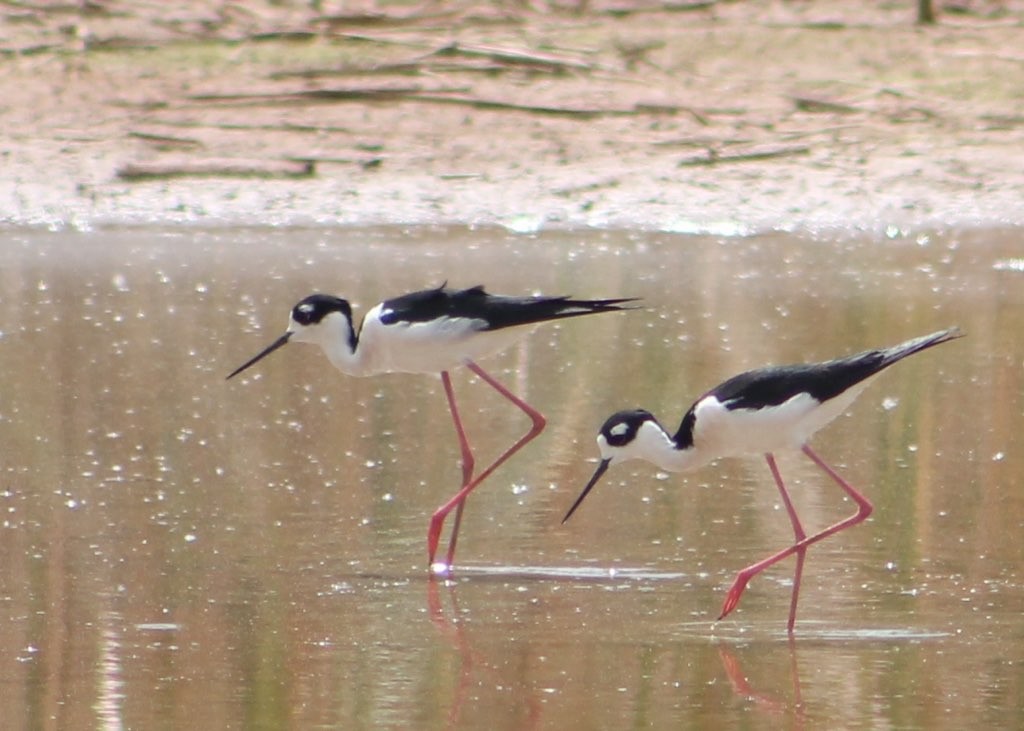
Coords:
280,342
601,469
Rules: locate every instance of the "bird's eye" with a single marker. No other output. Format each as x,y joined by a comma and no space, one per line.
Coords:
621,434
303,314
619,430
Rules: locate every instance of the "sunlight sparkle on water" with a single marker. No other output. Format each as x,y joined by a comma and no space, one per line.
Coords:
1009,265
525,223
709,228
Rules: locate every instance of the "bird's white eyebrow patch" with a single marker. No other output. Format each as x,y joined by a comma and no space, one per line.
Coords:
619,429
306,307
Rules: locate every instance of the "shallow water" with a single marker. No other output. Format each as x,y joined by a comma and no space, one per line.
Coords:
179,550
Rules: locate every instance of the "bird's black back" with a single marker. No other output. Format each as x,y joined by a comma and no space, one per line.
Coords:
496,311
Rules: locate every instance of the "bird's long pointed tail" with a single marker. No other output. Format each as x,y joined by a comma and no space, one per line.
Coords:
901,351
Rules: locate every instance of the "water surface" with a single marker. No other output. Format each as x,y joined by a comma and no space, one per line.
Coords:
181,551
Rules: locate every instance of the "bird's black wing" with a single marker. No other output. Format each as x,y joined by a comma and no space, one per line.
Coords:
493,311
422,306
775,385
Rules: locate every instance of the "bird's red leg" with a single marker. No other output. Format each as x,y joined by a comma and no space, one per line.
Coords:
864,509
864,506
537,426
800,556
799,535
733,598
467,466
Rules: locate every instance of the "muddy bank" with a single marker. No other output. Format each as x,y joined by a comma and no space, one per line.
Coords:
725,117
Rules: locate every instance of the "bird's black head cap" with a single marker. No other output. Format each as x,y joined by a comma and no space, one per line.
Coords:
314,308
621,427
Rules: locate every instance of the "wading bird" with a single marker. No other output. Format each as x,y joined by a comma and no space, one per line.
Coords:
430,331
758,412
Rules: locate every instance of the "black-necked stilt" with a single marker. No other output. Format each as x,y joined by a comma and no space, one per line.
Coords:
432,331
758,412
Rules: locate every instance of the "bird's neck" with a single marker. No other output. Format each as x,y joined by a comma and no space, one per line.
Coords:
340,344
655,445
